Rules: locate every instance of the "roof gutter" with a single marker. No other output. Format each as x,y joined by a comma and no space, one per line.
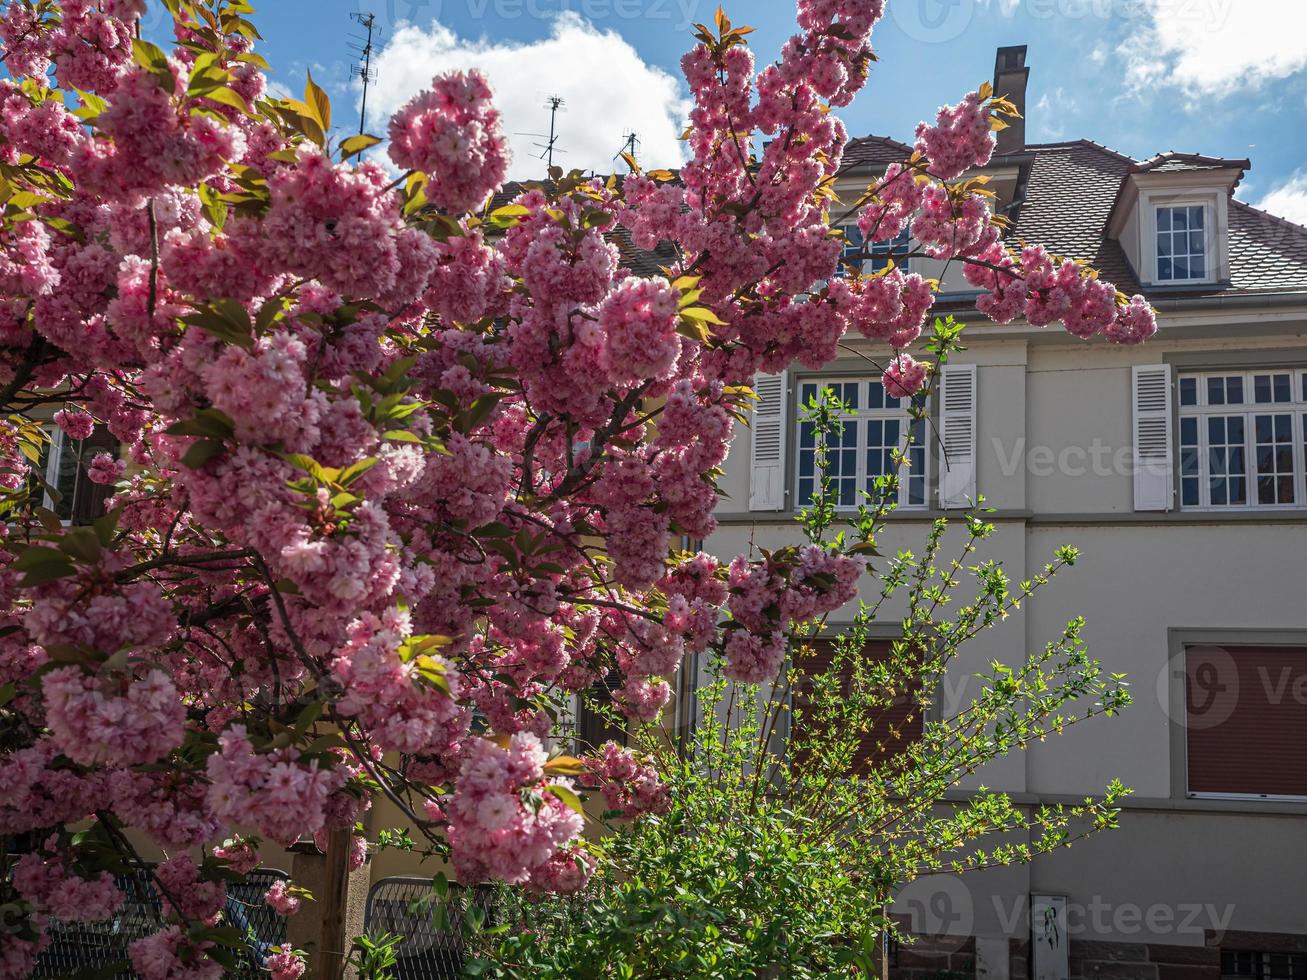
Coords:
1260,301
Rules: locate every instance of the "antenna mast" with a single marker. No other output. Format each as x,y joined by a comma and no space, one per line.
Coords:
630,145
364,71
554,103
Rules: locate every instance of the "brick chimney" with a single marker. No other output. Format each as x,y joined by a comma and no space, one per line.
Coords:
1010,79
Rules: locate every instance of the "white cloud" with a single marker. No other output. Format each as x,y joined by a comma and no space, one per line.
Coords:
1214,47
608,90
1289,200
1052,112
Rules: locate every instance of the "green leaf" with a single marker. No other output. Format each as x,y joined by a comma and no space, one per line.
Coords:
201,452
152,59
318,104
226,96
701,314
82,543
357,144
567,797
38,556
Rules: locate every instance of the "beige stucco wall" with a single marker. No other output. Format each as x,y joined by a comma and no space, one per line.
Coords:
1054,433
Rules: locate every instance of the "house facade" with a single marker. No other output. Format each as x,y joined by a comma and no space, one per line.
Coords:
1179,468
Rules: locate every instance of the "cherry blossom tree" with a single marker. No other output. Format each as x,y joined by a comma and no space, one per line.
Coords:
402,471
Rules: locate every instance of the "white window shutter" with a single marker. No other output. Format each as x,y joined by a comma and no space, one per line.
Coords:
767,458
1154,484
957,425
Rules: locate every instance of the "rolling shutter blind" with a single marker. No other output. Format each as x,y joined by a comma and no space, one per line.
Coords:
89,498
957,424
897,725
767,443
1246,720
1152,431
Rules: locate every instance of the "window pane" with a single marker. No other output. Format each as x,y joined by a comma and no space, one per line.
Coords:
1197,268
1274,435
1179,219
1164,270
1234,390
875,395
1216,391
1262,388
1196,217
1196,243
1189,463
1163,219
1188,391
1164,245
1226,465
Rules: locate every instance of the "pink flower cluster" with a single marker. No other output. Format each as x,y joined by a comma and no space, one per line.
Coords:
960,139
492,832
451,133
639,323
52,887
280,900
403,713
285,965
793,586
141,722
272,792
170,955
629,785
1045,290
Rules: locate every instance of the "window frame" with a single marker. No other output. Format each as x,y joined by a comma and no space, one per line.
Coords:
1248,409
859,418
1209,251
881,254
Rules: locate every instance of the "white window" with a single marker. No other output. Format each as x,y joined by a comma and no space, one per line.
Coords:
1182,252
875,427
1243,440
881,252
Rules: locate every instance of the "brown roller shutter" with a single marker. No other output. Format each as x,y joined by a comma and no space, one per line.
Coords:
89,498
898,725
1246,720
594,728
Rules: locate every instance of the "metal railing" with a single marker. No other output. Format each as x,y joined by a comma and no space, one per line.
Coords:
102,946
408,907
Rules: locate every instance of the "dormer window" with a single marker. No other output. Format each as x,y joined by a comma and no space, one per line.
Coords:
1182,250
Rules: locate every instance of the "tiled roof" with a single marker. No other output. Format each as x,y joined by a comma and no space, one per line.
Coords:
1172,161
1068,196
1070,191
871,151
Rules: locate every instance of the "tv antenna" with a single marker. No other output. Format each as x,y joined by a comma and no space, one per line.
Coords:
630,145
549,147
363,49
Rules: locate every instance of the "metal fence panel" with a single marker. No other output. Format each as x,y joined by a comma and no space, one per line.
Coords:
75,947
397,906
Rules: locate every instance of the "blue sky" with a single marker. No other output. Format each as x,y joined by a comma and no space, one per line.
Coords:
1222,77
